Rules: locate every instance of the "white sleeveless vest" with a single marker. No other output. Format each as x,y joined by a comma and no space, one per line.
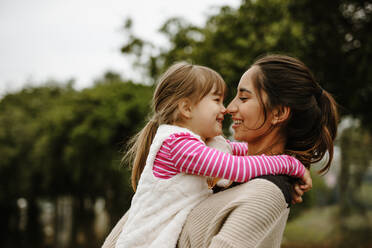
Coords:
160,206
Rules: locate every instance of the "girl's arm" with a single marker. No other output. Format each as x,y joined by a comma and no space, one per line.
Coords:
238,148
190,155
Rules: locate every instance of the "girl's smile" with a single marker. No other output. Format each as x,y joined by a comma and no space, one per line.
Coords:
207,116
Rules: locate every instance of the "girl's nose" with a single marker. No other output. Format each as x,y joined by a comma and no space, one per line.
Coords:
223,109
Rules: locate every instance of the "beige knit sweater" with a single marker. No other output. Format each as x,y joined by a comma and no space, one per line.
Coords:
253,214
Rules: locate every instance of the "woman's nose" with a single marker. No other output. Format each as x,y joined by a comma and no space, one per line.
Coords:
231,108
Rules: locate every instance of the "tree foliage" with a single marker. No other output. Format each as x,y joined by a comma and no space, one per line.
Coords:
331,37
57,141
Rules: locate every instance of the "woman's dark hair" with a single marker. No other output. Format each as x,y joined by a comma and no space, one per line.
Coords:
312,125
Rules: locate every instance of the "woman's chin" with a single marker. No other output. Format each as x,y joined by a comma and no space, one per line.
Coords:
237,136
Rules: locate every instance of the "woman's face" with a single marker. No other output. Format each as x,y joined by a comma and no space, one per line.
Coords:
247,112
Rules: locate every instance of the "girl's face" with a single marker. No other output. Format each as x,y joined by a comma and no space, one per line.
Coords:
247,112
207,116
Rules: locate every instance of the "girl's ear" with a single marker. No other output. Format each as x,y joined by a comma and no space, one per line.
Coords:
184,108
280,115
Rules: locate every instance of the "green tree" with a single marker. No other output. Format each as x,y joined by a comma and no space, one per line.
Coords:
356,144
21,175
331,37
56,141
338,47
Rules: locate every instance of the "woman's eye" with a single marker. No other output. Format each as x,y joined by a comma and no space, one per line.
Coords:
243,99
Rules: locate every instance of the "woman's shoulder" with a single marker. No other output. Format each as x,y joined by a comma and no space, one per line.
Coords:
278,184
267,188
284,183
253,211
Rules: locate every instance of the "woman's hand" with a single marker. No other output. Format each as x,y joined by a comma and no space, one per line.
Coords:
301,187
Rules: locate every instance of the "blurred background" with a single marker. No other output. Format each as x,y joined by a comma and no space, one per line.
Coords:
76,83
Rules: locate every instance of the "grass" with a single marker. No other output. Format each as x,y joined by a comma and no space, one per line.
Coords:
320,228
313,227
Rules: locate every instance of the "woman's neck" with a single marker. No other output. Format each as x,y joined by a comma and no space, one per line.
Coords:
270,149
270,145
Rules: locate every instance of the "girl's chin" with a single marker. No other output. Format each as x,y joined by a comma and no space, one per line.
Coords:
219,133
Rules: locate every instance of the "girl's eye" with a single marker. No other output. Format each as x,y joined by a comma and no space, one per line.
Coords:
243,99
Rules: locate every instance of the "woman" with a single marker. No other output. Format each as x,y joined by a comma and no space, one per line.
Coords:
279,109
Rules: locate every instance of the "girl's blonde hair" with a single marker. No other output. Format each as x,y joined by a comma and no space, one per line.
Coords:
182,80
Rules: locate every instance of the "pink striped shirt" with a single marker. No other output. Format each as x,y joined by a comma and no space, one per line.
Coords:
184,153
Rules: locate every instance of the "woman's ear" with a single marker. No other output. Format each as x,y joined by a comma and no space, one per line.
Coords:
280,115
184,108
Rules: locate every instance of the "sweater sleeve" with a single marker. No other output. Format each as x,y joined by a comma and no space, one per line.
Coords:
190,155
238,148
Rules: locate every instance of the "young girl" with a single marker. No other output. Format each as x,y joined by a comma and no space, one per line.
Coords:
171,160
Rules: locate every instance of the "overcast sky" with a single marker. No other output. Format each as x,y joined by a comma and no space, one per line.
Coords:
80,39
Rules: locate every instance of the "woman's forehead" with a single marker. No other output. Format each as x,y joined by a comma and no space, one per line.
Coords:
249,76
246,80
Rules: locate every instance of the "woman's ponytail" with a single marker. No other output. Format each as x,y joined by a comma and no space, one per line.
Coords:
328,126
312,126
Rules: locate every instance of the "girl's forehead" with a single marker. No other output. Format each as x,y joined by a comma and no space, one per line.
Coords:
215,92
217,89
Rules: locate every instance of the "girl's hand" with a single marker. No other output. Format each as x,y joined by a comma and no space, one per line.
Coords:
300,188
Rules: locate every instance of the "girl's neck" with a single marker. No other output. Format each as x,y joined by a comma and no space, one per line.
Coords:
184,125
